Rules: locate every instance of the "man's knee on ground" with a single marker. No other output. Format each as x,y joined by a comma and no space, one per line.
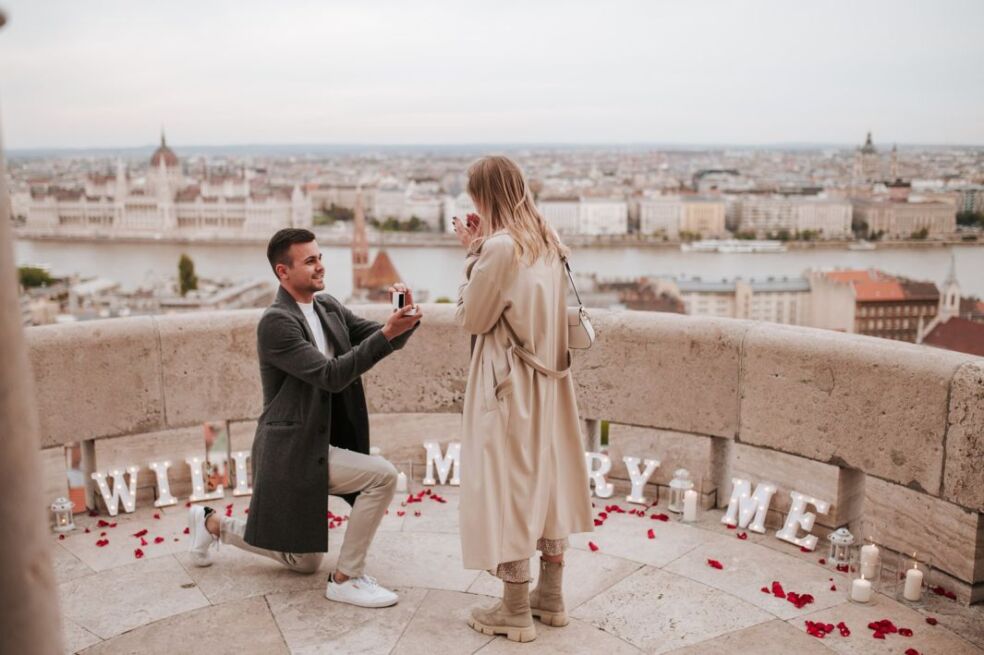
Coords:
307,564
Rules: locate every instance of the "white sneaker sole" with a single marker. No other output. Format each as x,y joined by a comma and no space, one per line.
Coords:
369,604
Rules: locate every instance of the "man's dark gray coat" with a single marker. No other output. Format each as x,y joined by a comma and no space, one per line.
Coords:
309,402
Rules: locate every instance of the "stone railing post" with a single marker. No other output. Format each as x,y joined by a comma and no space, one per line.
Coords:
29,617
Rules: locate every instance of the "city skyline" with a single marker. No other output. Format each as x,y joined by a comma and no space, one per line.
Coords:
437,74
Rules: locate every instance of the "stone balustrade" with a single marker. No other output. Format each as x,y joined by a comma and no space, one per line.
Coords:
891,434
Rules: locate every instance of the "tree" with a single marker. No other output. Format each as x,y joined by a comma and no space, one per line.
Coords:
444,300
32,276
970,219
920,234
187,280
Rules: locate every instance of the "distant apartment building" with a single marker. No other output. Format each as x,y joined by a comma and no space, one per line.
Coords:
569,214
873,303
775,299
764,215
388,200
168,203
671,215
561,212
599,216
970,199
323,196
902,220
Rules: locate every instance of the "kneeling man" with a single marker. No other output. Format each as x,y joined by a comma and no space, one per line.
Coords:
312,439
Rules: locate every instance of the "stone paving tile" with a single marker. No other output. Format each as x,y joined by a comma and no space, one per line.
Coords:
66,565
576,638
312,624
586,574
237,574
125,597
75,637
749,567
625,535
244,627
439,625
927,639
434,516
775,636
659,611
417,559
968,622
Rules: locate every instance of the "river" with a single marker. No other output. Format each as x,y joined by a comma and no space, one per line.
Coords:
438,269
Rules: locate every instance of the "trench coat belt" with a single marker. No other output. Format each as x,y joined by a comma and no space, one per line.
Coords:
517,351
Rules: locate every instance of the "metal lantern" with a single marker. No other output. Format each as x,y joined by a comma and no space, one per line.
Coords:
841,547
61,512
679,485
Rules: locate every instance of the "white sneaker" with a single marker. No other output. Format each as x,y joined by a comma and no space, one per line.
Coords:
201,539
364,592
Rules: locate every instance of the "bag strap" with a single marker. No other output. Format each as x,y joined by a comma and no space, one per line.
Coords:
570,276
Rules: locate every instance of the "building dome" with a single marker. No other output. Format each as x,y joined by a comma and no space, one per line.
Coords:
163,153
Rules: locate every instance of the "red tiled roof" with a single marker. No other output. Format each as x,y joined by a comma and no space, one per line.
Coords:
958,334
881,290
875,286
381,274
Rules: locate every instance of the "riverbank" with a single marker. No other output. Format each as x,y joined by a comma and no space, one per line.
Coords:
429,239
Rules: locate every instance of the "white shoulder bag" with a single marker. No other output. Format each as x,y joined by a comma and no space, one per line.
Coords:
580,333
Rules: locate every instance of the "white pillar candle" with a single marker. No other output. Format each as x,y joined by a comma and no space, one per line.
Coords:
861,590
869,560
401,482
913,584
690,506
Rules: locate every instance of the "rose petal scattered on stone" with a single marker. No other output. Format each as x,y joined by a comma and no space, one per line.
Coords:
139,533
931,620
158,540
911,651
186,531
651,533
593,546
61,537
714,564
742,535
143,542
102,542
905,632
138,553
157,516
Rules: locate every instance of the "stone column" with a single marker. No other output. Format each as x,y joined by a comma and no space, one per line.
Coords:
29,616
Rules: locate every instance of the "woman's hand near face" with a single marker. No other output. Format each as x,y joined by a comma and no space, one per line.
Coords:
466,232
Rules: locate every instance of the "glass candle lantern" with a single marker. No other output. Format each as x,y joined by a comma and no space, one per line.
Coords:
679,485
61,514
841,548
912,579
860,588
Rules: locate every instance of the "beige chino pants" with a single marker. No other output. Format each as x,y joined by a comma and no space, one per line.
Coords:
348,472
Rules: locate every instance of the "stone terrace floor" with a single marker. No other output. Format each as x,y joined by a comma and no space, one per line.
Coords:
632,595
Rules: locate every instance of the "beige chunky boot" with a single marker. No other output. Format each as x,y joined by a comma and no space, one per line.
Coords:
510,616
547,600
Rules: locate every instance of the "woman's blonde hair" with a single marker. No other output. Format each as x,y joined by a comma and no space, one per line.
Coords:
499,190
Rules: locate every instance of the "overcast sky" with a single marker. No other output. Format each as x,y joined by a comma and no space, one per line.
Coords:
89,74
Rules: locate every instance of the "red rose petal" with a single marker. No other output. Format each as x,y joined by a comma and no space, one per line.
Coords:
765,590
823,561
113,524
102,523
61,537
87,530
157,516
905,632
598,523
804,549
102,534
188,504
102,542
593,546
158,540
742,535
911,651
878,635
143,542
932,621
714,564
660,517
417,513
833,587
777,590
138,553
731,527
140,533
651,533
186,530
401,513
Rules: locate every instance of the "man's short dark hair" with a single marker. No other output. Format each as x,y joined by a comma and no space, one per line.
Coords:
281,242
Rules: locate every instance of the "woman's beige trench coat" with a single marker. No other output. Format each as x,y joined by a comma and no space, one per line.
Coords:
523,474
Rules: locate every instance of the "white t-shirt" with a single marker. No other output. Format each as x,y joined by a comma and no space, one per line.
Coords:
316,328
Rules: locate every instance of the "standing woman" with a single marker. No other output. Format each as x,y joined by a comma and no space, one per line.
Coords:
525,485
